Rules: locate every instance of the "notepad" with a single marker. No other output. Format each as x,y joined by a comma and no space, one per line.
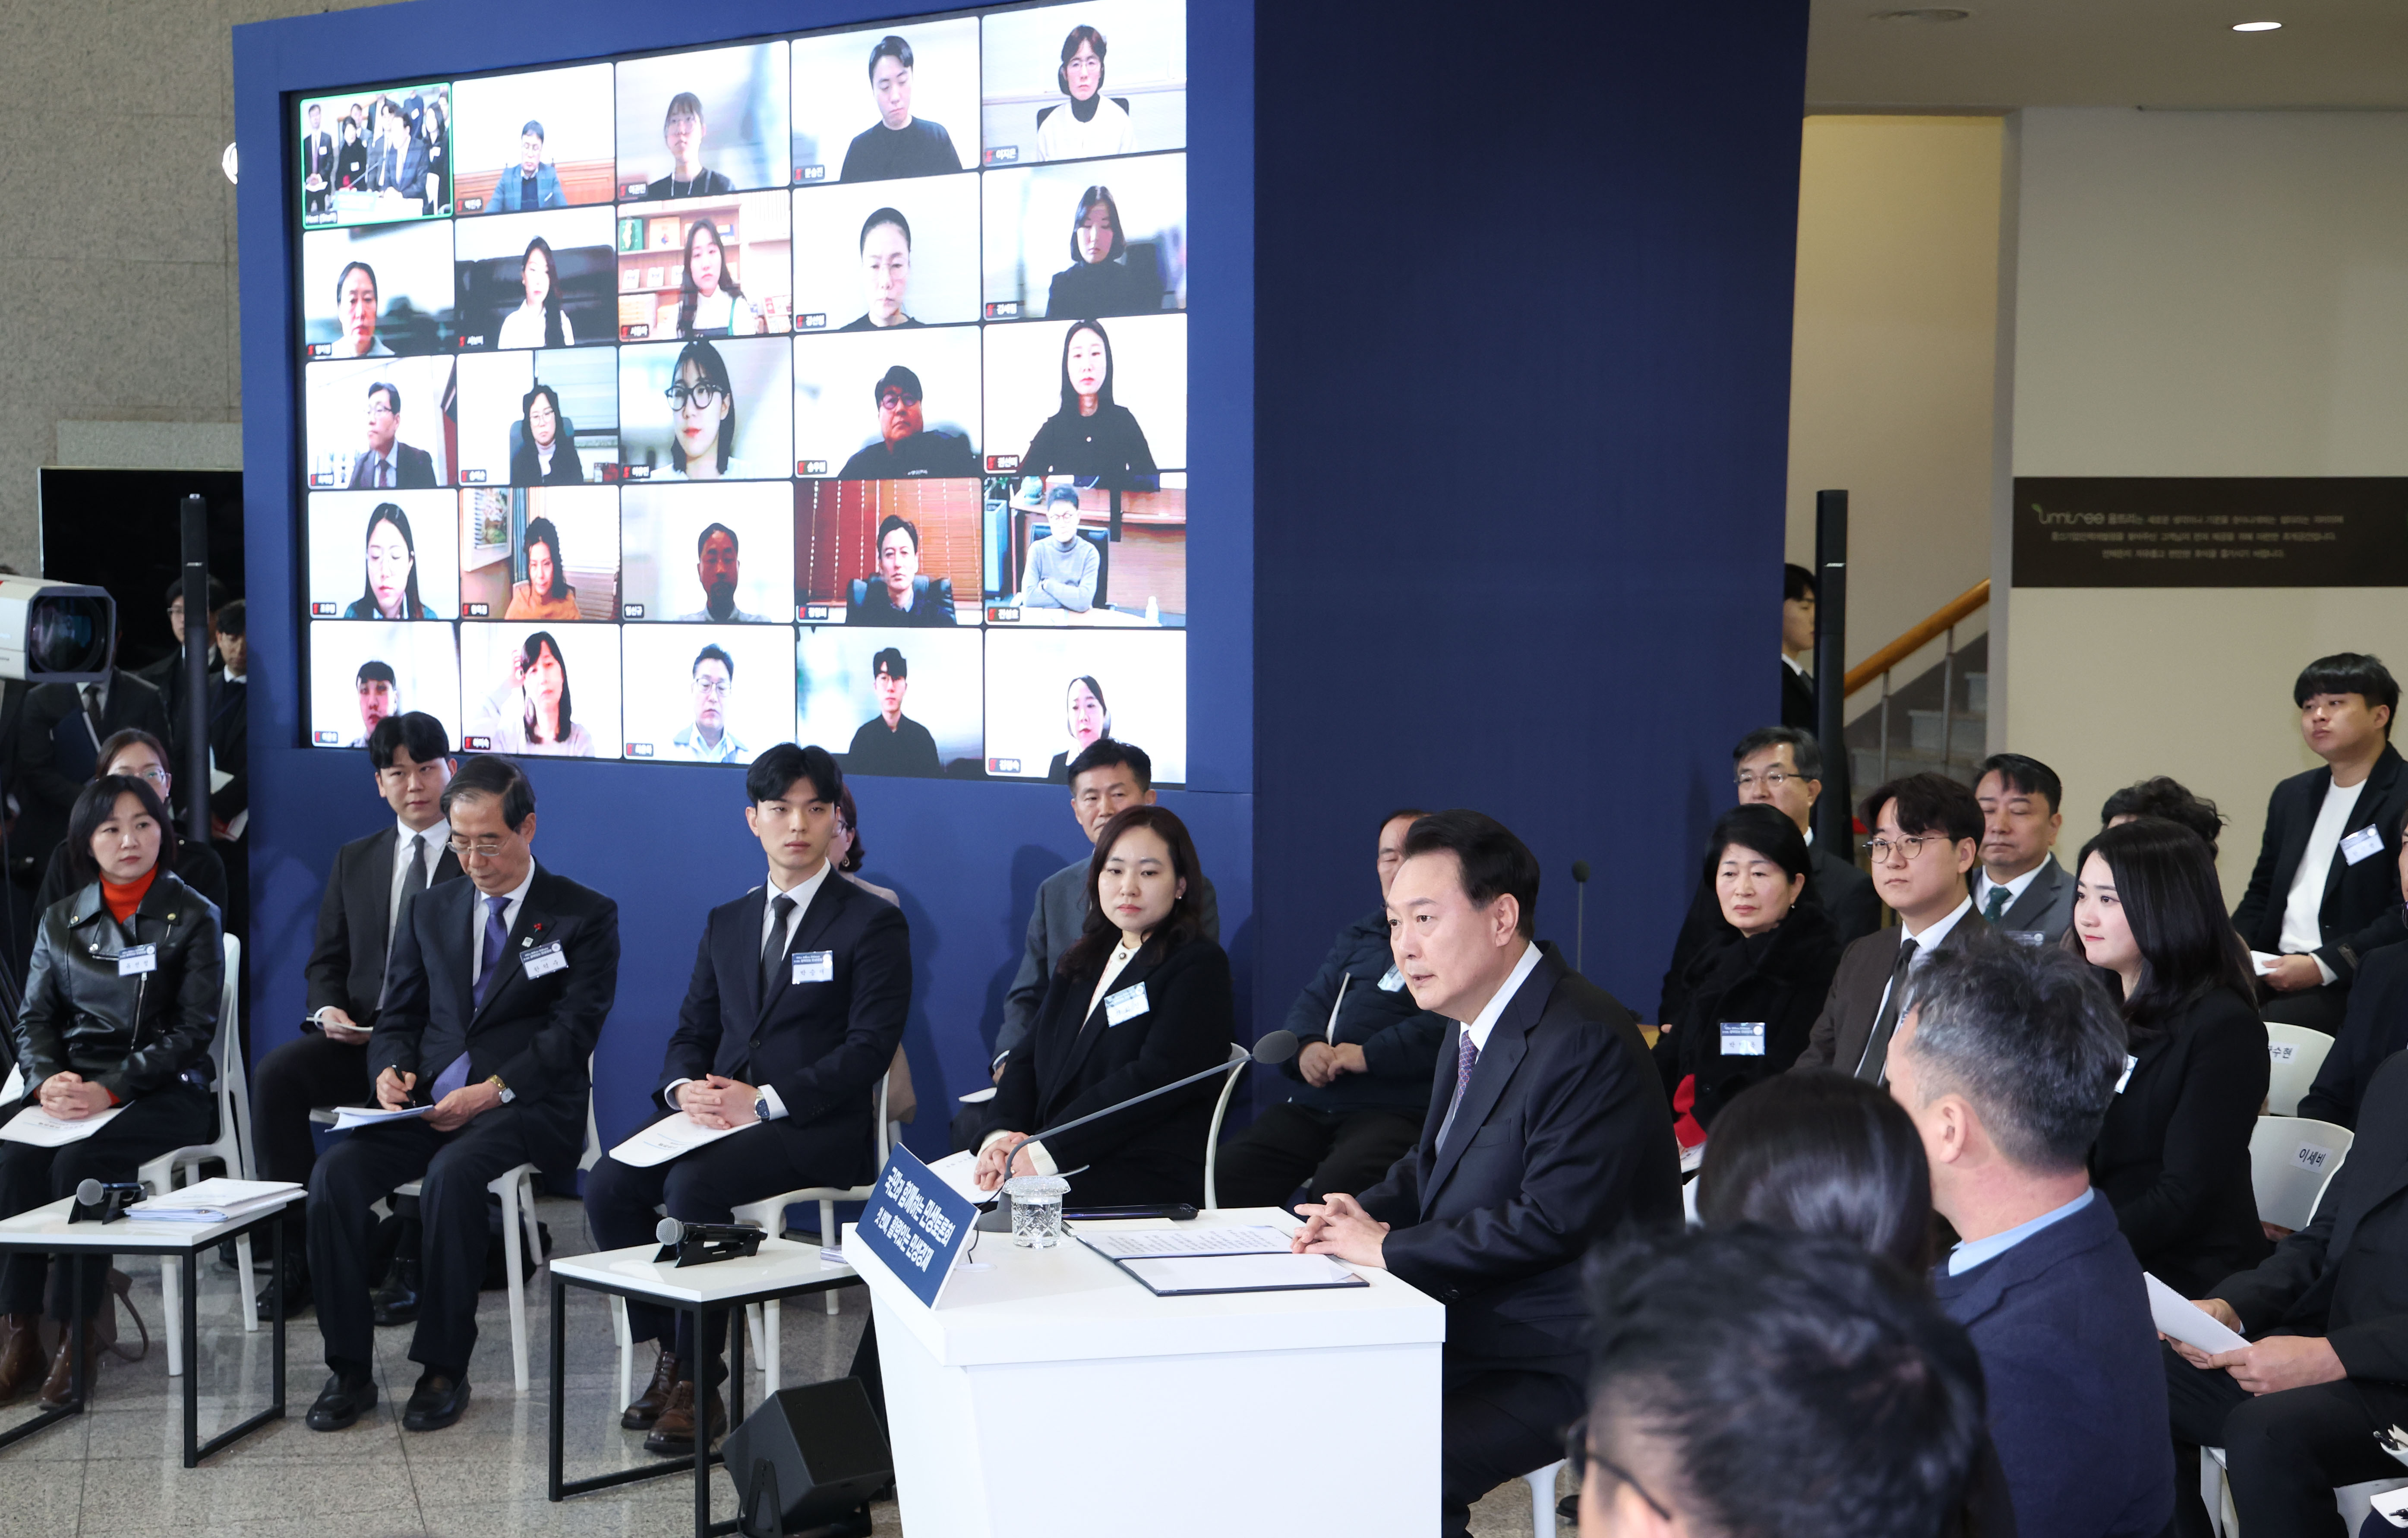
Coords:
38,1127
2182,1320
1189,1275
1164,1243
668,1138
348,1116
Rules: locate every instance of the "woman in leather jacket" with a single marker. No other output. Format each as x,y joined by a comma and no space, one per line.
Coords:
121,1011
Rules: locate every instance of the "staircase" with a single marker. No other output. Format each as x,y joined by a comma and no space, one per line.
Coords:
1938,720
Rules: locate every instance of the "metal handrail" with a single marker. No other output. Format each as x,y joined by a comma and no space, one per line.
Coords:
1940,625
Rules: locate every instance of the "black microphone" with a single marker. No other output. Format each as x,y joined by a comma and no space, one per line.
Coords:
91,1192
671,1231
1580,910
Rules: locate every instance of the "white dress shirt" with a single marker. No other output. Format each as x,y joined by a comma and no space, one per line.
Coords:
2304,909
476,914
802,892
1494,1009
1984,887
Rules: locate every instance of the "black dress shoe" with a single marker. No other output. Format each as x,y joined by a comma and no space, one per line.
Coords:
341,1403
648,1405
397,1301
297,1289
435,1403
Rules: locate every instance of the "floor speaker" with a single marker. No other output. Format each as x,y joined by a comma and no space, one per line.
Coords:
808,1457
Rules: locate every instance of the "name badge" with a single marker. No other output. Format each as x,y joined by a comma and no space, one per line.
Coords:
1742,1039
2033,937
814,966
543,960
1394,980
1127,1004
2130,1063
2359,845
137,959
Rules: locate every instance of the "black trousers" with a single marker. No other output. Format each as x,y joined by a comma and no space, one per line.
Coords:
1323,1151
2316,1009
2285,1454
150,1126
454,1168
289,1083
1496,1423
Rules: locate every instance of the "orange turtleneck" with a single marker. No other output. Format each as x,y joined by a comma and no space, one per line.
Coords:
124,900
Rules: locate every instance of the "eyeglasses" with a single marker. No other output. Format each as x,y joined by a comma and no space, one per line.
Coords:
378,408
715,686
484,849
1581,1455
1905,848
156,775
704,396
1771,780
894,400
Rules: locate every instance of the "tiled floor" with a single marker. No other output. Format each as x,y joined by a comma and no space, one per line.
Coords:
117,1472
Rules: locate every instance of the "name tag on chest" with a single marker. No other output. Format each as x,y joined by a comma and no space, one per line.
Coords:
134,960
1127,1004
1742,1038
2359,845
543,960
2130,1063
814,966
1393,981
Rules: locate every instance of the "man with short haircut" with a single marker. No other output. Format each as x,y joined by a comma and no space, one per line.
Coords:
1798,706
900,595
897,144
2324,891
2022,891
2008,1058
57,750
387,461
1062,567
907,446
1363,1077
358,916
1547,1129
718,565
532,184
495,996
2162,796
796,1007
317,165
1927,837
230,755
706,739
356,308
891,743
379,695
167,675
1731,1362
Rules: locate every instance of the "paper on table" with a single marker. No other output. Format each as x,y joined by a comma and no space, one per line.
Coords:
2179,1317
348,1116
954,1170
1130,1244
1240,1273
666,1139
43,1130
215,1200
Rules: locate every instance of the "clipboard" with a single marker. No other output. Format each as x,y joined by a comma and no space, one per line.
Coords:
1194,1275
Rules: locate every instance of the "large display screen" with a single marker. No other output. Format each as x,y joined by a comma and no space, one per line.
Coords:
831,386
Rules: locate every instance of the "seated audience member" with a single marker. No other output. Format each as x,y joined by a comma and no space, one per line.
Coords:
1926,835
136,754
2326,1317
1062,567
845,853
96,1034
1779,767
2172,1157
1550,1133
2007,1059
891,743
1732,1364
1798,706
897,594
496,991
2022,891
1141,1000
2164,797
1752,994
2374,1027
537,183
230,755
2324,891
906,447
794,1013
1362,1078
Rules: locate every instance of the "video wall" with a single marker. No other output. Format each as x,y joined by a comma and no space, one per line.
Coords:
830,387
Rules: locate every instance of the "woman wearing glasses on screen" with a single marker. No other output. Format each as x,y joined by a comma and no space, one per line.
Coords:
530,713
1102,278
702,417
392,590
545,455
546,593
1089,437
682,130
1086,717
1093,124
538,320
713,305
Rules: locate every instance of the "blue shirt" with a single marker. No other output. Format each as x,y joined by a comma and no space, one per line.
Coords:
1975,1252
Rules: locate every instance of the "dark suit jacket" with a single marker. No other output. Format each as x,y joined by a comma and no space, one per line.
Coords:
1076,1063
346,966
1777,980
2077,1390
2374,1027
536,1032
821,1046
1796,699
1843,893
57,751
1399,1039
1563,1136
2361,906
413,467
2045,909
230,745
1054,921
1845,1026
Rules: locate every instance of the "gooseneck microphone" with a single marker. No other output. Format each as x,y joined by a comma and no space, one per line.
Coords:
1580,910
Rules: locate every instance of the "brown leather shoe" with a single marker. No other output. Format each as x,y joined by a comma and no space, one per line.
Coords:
646,1406
673,1432
20,1354
58,1389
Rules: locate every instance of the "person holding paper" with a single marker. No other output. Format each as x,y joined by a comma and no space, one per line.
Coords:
494,993
1547,1129
792,1015
121,1012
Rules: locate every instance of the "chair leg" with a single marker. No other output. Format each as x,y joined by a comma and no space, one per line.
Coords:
627,1349
1542,1500
171,1303
752,1330
527,1218
828,1237
510,1194
768,1352
242,1291
2212,1491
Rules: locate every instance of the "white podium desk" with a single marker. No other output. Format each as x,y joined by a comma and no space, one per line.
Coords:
1052,1394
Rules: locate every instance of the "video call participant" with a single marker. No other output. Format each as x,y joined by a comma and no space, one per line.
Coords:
101,1031
538,320
702,416
352,159
387,464
1798,707
1062,567
796,1007
378,697
1099,280
897,144
891,743
546,456
706,739
718,565
2162,796
887,268
1545,1132
355,308
495,992
546,593
536,185
358,916
60,737
1085,717
532,712
391,590
1363,1077
907,446
1093,124
898,595
682,130
1089,436
711,302
2022,891
136,754
316,165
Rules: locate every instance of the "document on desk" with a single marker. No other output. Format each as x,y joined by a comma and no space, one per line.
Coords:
955,1170
1169,1243
348,1116
666,1139
43,1130
2179,1317
1180,1277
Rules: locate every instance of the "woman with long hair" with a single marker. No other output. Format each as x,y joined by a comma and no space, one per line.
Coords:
1085,717
538,320
1090,437
545,595
545,454
543,722
1100,280
702,414
711,303
391,585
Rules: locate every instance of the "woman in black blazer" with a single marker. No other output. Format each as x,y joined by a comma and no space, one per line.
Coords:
2174,1154
1140,999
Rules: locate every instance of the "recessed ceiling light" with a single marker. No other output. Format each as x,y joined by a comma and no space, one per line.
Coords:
2257,26
1924,13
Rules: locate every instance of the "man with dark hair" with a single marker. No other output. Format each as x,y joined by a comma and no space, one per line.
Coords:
167,675
1363,1077
1062,567
2164,797
317,165
379,696
1798,706
897,144
57,750
387,463
494,993
900,595
2022,891
1547,1129
906,447
2324,890
796,1007
358,916
1731,1361
230,755
536,183
891,743
1927,836
706,739
2007,1059
718,565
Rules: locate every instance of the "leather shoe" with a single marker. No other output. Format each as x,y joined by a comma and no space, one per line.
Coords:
20,1354
397,1301
58,1389
673,1432
646,1406
297,1289
341,1403
436,1403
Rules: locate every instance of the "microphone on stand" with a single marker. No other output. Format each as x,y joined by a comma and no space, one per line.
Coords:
1579,910
671,1231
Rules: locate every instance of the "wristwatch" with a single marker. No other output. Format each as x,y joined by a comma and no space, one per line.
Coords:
760,1108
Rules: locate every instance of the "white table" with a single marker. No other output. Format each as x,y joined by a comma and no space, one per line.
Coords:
1051,1393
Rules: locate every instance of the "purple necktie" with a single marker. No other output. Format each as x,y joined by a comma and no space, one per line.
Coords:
497,934
1465,1057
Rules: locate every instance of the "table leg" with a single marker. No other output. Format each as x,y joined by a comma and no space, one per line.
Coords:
559,1381
701,1430
192,1360
735,1365
275,1310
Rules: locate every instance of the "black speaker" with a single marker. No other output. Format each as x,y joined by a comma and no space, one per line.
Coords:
809,1458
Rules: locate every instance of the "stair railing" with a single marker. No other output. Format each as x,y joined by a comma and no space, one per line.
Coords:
1941,622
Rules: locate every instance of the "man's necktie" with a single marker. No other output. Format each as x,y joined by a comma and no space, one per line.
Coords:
1467,1056
773,948
497,935
384,474
413,881
1876,1057
92,710
1996,908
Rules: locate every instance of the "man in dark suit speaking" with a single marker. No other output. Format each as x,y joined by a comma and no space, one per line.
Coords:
388,462
495,995
1547,1129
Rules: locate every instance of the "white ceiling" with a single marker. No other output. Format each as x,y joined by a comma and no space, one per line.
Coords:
2166,53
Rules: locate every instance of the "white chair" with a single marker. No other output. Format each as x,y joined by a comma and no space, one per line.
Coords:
2355,1502
2297,1053
231,1147
1237,1055
2291,1159
1543,1498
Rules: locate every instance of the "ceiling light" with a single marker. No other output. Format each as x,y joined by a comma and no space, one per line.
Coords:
1924,13
2257,26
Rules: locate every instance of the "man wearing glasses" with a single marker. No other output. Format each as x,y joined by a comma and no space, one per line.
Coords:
708,741
1926,838
907,446
389,463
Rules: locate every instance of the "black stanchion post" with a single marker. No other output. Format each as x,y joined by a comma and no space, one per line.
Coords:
1834,822
193,773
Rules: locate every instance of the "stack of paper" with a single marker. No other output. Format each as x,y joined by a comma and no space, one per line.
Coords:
215,1200
1168,1243
38,1128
